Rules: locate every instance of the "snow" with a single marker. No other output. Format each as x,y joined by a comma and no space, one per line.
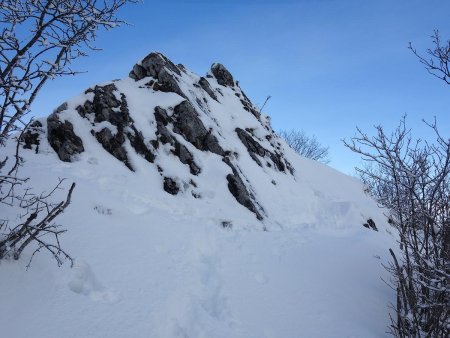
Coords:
149,264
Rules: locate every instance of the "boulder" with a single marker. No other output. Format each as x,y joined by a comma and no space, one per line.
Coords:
170,185
151,65
62,138
222,75
161,69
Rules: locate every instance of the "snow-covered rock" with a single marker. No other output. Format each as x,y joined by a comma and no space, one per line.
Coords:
192,218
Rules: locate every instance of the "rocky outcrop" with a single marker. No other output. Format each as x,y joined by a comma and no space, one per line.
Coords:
171,186
161,69
113,144
248,106
258,152
182,129
152,65
222,75
31,136
187,123
138,143
240,192
204,84
165,136
106,107
62,138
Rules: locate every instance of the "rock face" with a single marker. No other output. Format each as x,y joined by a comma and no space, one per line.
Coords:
106,107
63,139
191,116
207,88
187,123
258,152
241,192
161,69
222,75
164,136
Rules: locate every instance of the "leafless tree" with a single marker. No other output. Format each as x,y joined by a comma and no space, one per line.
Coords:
437,63
39,40
411,179
307,146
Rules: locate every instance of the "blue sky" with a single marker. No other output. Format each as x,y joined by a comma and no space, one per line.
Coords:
329,65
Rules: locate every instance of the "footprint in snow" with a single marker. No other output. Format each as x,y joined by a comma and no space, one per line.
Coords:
84,282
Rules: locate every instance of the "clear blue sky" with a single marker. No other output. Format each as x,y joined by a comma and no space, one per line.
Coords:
329,65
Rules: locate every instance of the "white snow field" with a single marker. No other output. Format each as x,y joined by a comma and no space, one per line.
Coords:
152,264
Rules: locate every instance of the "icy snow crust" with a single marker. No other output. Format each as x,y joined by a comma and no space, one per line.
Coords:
150,264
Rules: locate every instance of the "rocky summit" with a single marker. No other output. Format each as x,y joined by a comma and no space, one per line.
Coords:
190,115
190,218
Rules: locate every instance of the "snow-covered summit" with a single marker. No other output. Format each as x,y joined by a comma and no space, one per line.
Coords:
176,175
183,125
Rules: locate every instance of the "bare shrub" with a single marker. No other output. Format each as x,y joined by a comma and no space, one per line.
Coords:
307,146
39,40
411,178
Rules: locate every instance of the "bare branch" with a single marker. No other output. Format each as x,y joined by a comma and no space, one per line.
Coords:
305,145
39,40
411,178
438,61
61,31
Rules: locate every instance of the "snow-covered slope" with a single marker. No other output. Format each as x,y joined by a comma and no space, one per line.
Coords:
191,218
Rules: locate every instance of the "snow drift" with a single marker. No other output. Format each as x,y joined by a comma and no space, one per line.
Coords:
192,218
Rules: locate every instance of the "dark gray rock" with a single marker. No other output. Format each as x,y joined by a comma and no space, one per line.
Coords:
167,83
370,224
204,84
161,116
255,151
160,68
253,147
226,224
171,186
165,136
61,108
113,144
188,124
277,159
222,75
186,157
32,136
151,65
248,105
137,142
105,106
63,139
238,189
